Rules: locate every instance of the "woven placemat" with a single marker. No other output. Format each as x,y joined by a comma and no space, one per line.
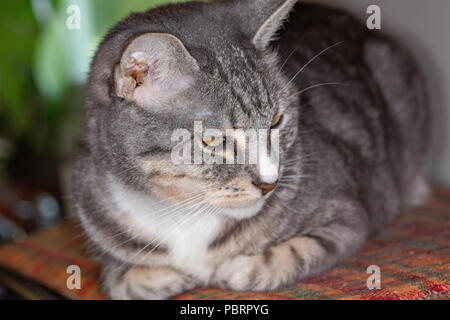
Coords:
413,255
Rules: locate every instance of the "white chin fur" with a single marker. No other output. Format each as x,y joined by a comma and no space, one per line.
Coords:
243,212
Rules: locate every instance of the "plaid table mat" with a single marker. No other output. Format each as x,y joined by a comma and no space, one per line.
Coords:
413,255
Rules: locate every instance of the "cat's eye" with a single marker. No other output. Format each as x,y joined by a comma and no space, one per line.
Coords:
210,141
276,121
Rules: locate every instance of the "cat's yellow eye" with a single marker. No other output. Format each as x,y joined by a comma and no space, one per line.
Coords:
276,121
210,141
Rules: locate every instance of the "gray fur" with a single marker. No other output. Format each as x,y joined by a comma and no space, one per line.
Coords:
351,154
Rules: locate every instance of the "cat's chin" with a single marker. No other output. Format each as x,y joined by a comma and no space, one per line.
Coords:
241,213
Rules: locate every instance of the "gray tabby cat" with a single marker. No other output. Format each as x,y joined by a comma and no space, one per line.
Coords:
352,114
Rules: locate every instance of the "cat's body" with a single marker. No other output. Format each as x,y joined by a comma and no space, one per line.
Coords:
351,159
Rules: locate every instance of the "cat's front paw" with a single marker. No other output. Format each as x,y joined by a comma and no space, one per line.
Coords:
239,273
142,283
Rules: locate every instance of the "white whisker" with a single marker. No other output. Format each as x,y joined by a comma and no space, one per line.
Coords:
173,230
169,216
287,59
318,85
156,239
309,62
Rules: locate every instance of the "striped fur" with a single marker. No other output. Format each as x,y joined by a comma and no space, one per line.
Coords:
353,141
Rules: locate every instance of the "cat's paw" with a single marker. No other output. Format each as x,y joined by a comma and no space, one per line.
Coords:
239,273
141,283
136,291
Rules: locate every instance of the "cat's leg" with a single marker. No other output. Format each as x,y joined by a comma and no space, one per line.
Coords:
291,261
145,283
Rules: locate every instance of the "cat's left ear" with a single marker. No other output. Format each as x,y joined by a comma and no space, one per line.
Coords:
154,68
264,18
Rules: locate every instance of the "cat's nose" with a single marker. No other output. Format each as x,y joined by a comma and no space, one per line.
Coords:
265,187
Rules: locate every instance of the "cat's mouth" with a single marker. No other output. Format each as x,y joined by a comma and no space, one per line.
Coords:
243,212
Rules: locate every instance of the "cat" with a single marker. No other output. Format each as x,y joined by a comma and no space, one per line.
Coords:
351,110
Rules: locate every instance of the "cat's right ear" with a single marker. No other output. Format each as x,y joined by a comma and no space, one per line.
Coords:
153,68
261,19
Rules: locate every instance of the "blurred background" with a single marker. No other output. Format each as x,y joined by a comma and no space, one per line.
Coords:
44,62
44,65
423,26
43,68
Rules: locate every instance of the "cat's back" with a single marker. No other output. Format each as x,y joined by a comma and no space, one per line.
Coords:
362,90
324,46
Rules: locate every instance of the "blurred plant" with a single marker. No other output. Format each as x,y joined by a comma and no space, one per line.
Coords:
18,34
43,67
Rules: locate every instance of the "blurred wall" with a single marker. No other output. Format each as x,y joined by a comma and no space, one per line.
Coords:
424,26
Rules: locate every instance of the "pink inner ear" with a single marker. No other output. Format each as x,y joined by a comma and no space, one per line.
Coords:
134,72
141,68
154,68
139,79
124,85
148,81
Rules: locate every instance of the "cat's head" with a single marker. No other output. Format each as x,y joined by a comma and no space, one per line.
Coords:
163,70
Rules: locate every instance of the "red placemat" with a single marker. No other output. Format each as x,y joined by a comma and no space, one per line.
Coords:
413,255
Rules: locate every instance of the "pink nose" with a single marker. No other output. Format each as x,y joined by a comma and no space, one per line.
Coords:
265,187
